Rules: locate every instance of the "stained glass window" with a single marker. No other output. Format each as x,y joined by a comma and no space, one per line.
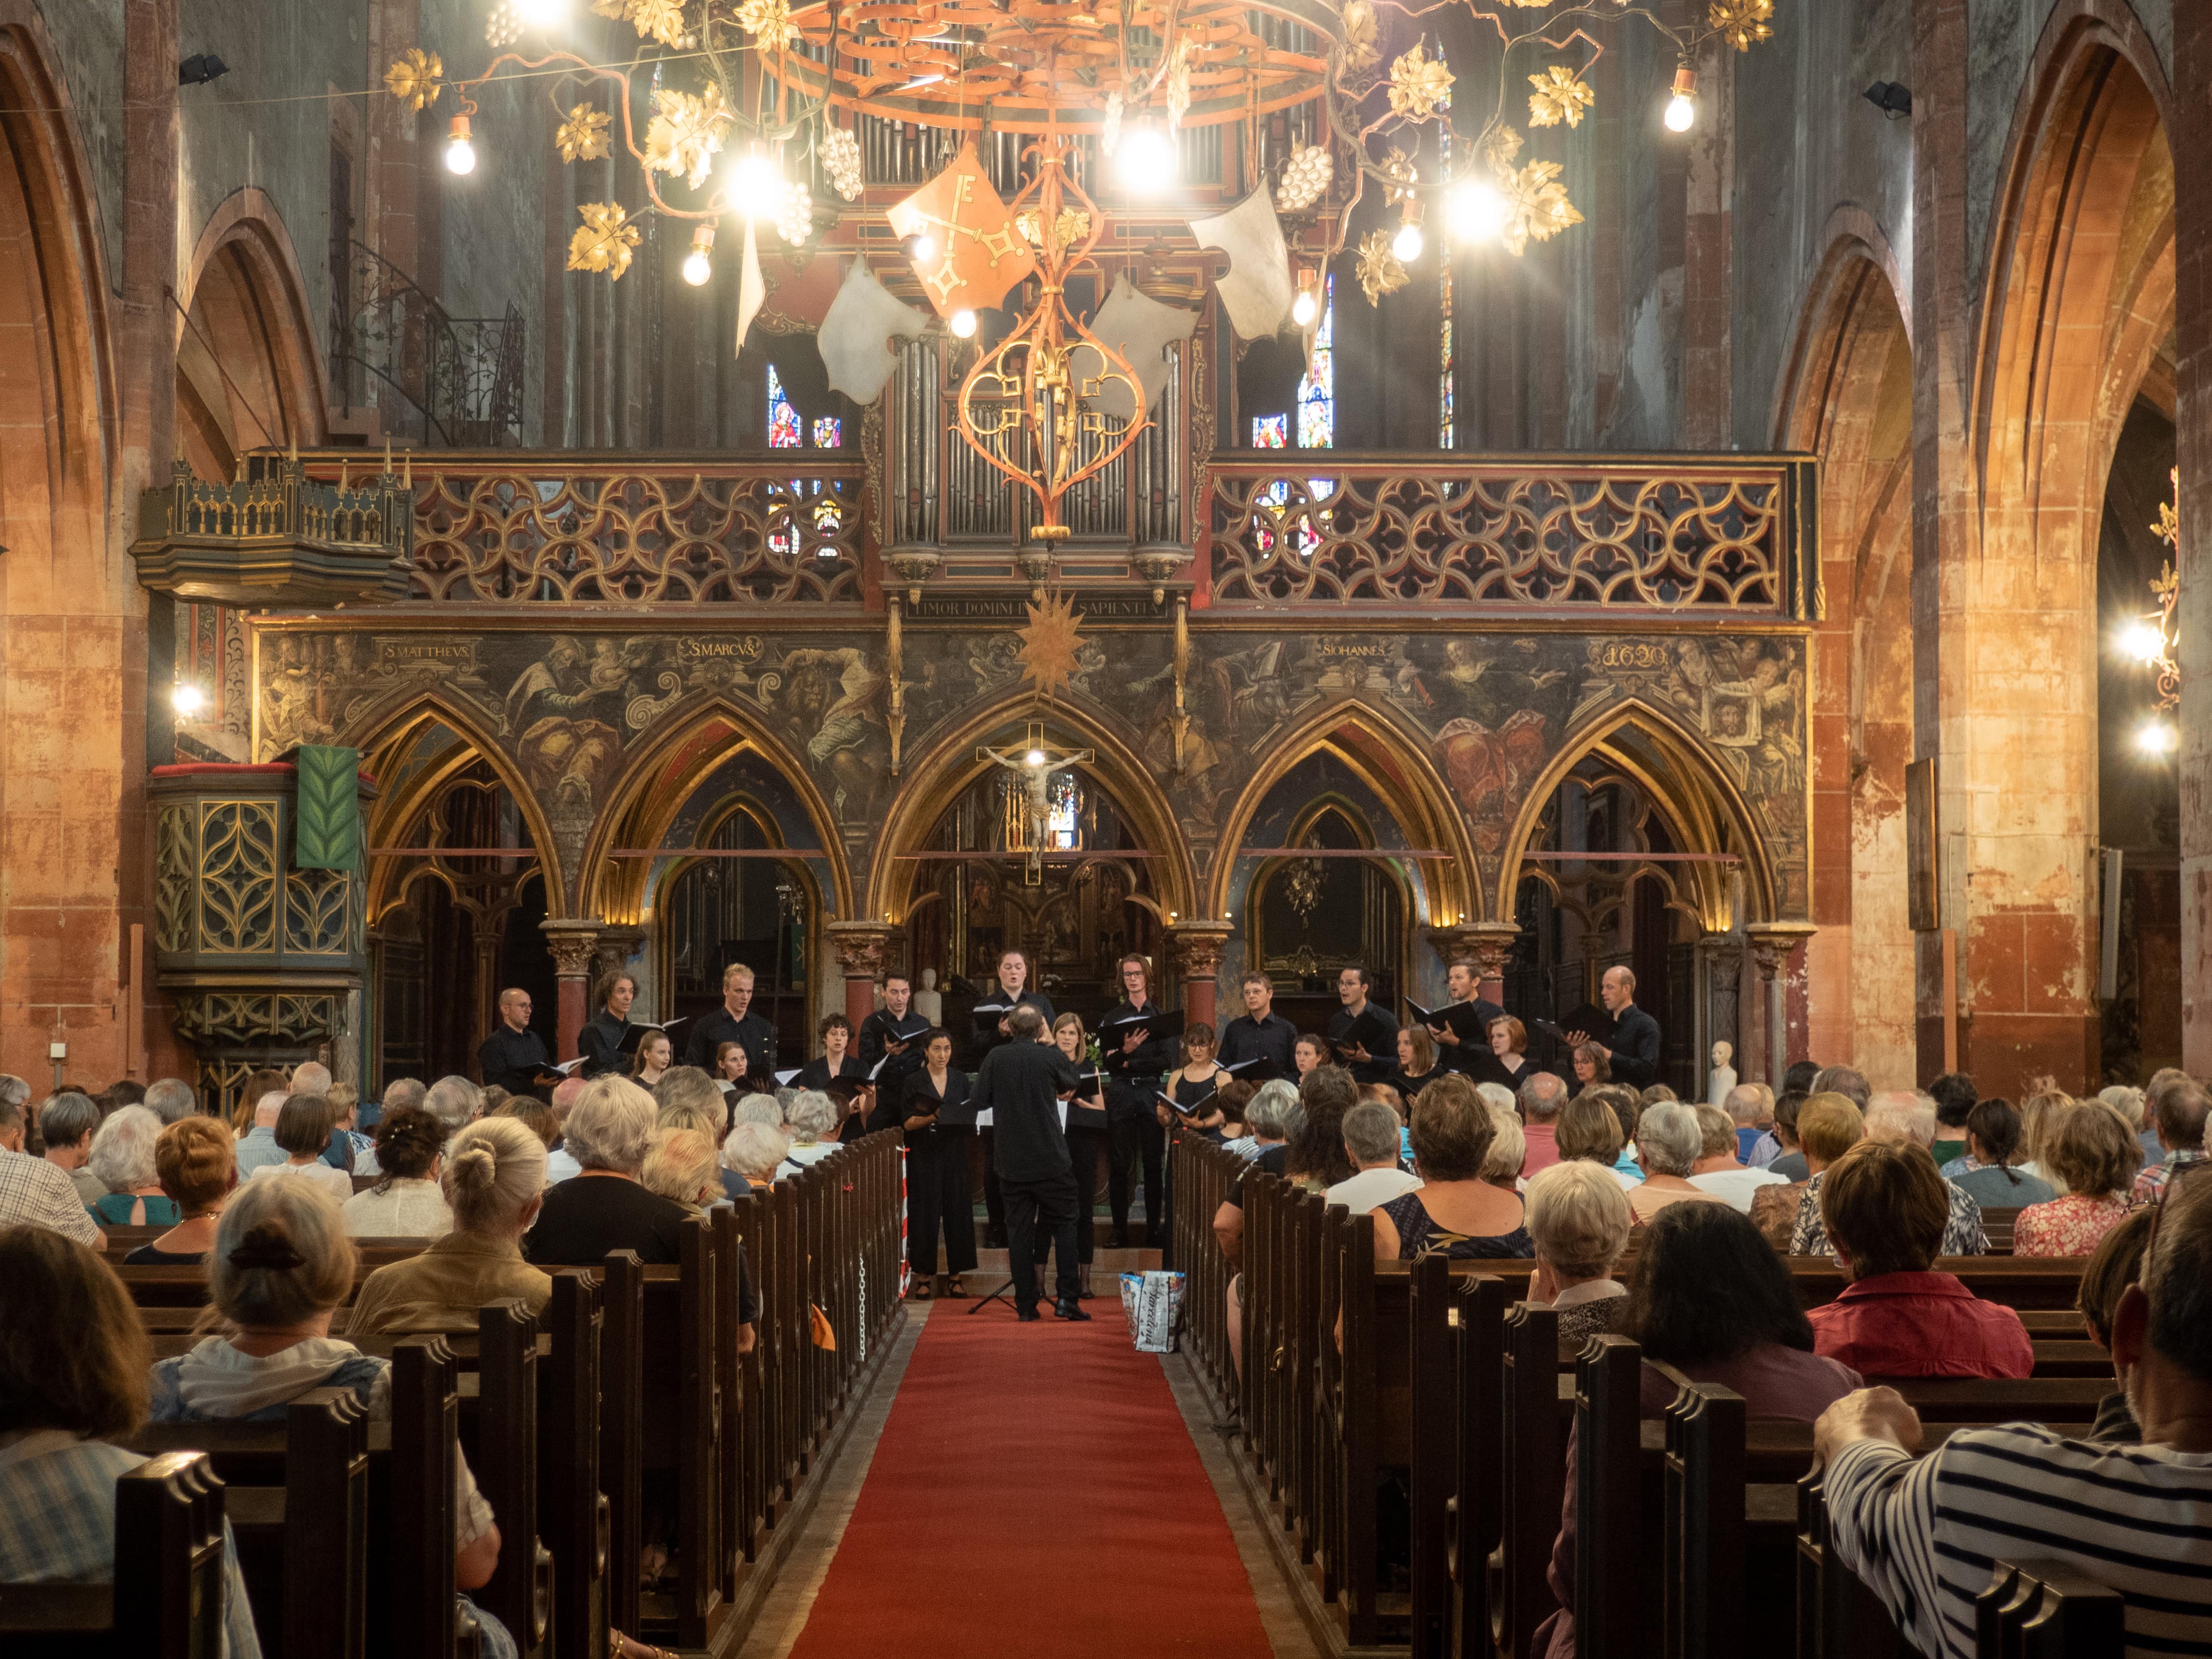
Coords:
828,433
1444,280
783,429
1064,809
1317,391
1271,431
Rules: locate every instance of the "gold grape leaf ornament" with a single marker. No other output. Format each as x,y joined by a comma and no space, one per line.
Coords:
1560,95
1420,86
686,133
1381,270
605,242
416,77
1742,23
583,135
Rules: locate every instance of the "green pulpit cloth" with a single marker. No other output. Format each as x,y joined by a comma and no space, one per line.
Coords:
326,828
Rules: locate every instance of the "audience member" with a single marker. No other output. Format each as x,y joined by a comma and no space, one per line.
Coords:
1885,1209
758,1108
2115,1264
74,1367
753,1152
1590,1132
1922,1531
1711,1300
495,1182
1842,1080
257,1148
280,1265
1541,1097
1797,1078
1903,1120
1720,1168
2090,1156
1370,1141
810,1118
33,1192
1768,1146
2135,1106
1953,1094
1453,1211
123,1162
680,1165
401,1091
1590,1065
406,1201
1789,1159
1827,1125
561,1162
67,1123
348,1144
1668,1142
1987,1174
171,1100
1270,1117
605,1207
197,1162
1578,1225
2038,1117
690,1086
1314,1158
1509,1146
311,1077
1748,1113
2180,1129
454,1101
303,1130
535,1116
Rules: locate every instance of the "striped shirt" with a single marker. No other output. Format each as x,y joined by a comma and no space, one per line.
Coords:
1925,1533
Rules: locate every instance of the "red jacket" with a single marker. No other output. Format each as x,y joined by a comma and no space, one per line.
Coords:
1921,1325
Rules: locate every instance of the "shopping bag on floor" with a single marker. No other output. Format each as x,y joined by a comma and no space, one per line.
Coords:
1152,1303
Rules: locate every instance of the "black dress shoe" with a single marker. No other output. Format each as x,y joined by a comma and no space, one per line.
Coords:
1029,1316
1120,1240
1067,1311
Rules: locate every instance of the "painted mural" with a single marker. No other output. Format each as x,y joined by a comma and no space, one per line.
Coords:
1485,713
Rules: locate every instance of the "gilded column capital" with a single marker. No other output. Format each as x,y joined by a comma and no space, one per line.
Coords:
1488,945
571,944
863,947
1771,942
1196,947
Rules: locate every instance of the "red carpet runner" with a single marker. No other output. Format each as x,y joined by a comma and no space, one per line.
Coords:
1035,1493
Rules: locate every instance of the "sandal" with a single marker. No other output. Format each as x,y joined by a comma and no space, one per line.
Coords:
920,1292
628,1647
954,1287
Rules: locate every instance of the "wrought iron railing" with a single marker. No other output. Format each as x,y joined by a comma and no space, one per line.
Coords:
1732,535
570,526
456,380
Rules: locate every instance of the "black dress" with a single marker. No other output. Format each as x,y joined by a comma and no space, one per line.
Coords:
815,1074
1418,1235
936,1189
1136,1142
1407,1087
1087,1131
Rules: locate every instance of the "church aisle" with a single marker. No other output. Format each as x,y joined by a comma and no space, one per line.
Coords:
1035,1490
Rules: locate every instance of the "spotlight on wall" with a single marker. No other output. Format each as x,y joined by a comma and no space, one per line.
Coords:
1682,107
2157,737
200,69
187,699
460,151
1892,97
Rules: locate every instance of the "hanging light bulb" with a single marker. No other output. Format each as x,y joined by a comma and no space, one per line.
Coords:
1479,211
2142,642
187,699
699,264
1682,107
1306,307
963,324
754,184
460,153
1146,162
1407,244
541,14
2157,737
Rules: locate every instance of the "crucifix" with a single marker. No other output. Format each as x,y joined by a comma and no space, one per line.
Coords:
1035,766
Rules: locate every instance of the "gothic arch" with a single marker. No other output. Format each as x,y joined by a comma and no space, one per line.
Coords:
394,813
1395,763
686,747
1706,809
938,777
249,370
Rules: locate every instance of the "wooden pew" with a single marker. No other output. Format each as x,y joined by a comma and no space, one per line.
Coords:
1533,1418
2048,1610
168,1604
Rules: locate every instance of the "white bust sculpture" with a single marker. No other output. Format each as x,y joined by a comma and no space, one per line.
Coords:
1724,1076
931,1006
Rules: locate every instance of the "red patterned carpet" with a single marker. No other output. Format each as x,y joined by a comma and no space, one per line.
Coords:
1035,1493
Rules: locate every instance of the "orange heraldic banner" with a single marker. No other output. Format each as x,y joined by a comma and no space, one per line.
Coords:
977,253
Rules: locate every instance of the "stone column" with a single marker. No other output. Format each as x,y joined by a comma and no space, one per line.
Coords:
863,950
1771,942
613,947
1721,956
1488,945
2192,307
489,946
571,944
1196,948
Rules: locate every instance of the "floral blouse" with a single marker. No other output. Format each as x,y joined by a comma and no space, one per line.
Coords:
2071,1225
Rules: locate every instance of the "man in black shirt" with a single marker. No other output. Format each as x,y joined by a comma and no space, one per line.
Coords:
1464,1054
600,1042
731,1023
1374,1060
1020,1083
1135,1064
513,1056
1007,994
1259,1033
890,1038
1635,1050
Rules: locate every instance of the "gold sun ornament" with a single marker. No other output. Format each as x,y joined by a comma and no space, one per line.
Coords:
416,77
1742,23
584,137
606,241
1420,86
1560,95
768,21
1537,208
686,133
1049,642
1381,270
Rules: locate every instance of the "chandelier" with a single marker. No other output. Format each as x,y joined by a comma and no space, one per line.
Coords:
736,91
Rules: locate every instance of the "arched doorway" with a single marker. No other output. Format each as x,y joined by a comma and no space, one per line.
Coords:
761,911
1306,920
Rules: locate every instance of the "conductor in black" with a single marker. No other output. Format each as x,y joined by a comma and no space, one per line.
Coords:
1021,1082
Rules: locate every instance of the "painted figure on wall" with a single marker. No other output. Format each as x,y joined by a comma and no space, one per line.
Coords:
832,700
568,742
1490,741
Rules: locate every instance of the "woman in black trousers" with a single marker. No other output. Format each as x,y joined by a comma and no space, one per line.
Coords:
1086,1141
938,1121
